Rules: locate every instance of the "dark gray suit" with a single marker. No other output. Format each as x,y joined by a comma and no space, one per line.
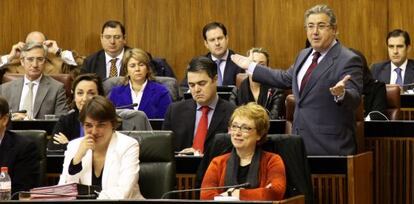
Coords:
180,118
327,127
50,97
382,72
96,63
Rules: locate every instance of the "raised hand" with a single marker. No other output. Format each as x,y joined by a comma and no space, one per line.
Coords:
241,61
88,142
15,51
339,88
52,46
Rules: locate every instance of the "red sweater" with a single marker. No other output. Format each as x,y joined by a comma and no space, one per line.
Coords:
271,171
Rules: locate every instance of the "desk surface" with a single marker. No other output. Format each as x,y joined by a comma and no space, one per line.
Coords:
394,128
46,125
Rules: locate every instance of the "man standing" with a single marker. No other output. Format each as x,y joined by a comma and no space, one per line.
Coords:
36,93
195,121
216,41
19,154
326,81
108,61
399,69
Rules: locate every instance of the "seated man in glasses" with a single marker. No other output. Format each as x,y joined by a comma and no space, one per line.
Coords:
35,93
58,61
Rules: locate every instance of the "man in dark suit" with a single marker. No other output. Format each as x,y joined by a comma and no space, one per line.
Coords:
399,69
326,81
185,118
216,41
36,93
108,61
19,154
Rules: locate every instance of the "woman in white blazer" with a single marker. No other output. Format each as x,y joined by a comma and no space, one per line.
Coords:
103,156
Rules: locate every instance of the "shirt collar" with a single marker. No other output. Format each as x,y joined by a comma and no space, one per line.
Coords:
327,50
403,66
36,82
212,105
108,58
142,88
224,58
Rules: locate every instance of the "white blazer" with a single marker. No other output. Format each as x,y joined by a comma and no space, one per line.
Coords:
120,174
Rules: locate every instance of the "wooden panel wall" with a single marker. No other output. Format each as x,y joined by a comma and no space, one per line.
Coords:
172,28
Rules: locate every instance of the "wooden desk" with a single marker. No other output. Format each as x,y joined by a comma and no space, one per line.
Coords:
407,106
392,143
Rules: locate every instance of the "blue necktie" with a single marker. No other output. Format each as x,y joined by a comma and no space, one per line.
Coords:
220,77
399,77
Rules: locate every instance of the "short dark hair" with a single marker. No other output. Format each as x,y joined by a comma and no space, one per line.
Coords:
203,63
86,77
214,25
113,24
4,106
398,33
101,109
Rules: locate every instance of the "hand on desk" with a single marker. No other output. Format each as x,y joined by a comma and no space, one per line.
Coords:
60,138
19,116
190,151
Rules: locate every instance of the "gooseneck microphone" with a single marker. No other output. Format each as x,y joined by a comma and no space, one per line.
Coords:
127,106
243,185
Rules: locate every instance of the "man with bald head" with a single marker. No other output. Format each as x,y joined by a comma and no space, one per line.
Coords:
57,61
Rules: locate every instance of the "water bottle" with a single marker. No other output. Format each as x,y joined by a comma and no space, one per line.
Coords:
5,184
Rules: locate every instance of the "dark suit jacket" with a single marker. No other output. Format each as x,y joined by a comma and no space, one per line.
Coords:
327,127
382,72
69,125
96,63
154,102
180,118
272,99
21,156
50,97
230,71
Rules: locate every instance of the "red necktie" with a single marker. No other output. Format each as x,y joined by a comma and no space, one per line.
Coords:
202,128
308,73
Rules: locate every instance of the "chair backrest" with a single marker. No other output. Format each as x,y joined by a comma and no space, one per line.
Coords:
290,110
157,162
292,151
65,79
393,102
240,77
39,137
133,119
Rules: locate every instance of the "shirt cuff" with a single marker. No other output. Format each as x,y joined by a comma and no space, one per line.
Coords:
67,57
339,98
251,68
74,169
4,60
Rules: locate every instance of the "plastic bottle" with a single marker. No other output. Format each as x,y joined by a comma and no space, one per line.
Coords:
5,184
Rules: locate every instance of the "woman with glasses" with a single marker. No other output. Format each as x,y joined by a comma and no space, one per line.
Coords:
103,157
247,163
139,86
69,127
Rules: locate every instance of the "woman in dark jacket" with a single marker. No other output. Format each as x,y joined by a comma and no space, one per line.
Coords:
84,87
272,99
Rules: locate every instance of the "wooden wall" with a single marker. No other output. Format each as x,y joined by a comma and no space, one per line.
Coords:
172,28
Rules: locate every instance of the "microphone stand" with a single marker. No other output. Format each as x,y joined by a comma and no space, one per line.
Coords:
244,185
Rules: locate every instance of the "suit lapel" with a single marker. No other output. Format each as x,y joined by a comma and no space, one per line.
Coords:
16,95
40,95
409,73
146,95
300,61
216,120
190,121
110,158
386,73
87,165
321,68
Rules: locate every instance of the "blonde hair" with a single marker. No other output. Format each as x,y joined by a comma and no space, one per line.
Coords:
139,55
256,113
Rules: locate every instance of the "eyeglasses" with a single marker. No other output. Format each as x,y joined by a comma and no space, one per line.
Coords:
39,60
242,128
109,37
320,26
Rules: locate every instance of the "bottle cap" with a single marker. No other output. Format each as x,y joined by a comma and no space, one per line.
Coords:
4,169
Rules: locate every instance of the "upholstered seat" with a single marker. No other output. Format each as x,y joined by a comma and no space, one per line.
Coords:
39,137
393,102
157,163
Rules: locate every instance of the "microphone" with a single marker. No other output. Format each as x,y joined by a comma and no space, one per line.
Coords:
127,106
368,118
243,185
89,196
270,93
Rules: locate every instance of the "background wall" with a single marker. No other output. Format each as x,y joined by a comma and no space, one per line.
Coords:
172,28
